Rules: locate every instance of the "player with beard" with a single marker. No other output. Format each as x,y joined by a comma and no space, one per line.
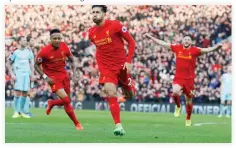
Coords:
113,64
186,55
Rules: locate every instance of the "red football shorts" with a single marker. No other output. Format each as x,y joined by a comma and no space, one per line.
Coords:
120,77
59,83
187,86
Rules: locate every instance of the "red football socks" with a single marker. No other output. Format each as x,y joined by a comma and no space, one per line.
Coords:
70,112
67,107
58,102
177,100
189,108
115,109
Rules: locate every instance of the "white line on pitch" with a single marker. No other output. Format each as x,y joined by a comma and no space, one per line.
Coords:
208,123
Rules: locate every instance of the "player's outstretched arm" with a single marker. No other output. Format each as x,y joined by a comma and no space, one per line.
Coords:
209,49
160,42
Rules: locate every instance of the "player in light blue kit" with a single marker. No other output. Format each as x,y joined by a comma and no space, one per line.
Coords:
23,68
226,92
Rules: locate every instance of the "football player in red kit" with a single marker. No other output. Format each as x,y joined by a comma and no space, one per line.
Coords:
113,63
53,57
186,55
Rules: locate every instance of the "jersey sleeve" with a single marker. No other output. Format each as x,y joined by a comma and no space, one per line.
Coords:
174,47
123,31
12,57
197,51
40,57
120,28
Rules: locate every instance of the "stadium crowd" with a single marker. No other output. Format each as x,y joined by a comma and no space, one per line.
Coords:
153,65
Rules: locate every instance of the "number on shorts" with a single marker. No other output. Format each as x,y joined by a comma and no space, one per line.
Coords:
130,81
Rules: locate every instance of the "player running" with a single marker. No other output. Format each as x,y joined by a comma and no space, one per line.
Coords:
23,69
186,55
52,57
226,92
113,64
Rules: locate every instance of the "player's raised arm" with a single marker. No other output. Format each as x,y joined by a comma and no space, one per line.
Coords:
209,49
160,42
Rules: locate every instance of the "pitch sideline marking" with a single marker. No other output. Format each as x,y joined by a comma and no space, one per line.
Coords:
31,123
208,123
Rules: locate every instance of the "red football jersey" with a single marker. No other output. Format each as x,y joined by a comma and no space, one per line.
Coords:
185,60
53,60
108,38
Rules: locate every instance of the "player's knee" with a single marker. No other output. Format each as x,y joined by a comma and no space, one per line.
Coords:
176,92
103,94
110,90
24,94
222,102
228,102
111,93
17,93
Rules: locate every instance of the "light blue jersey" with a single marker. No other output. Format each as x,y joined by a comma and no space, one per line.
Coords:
21,60
21,66
226,86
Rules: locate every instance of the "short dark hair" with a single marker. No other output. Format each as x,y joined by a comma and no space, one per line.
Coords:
104,7
189,35
54,31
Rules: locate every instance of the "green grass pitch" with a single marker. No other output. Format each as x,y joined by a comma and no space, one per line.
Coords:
98,128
